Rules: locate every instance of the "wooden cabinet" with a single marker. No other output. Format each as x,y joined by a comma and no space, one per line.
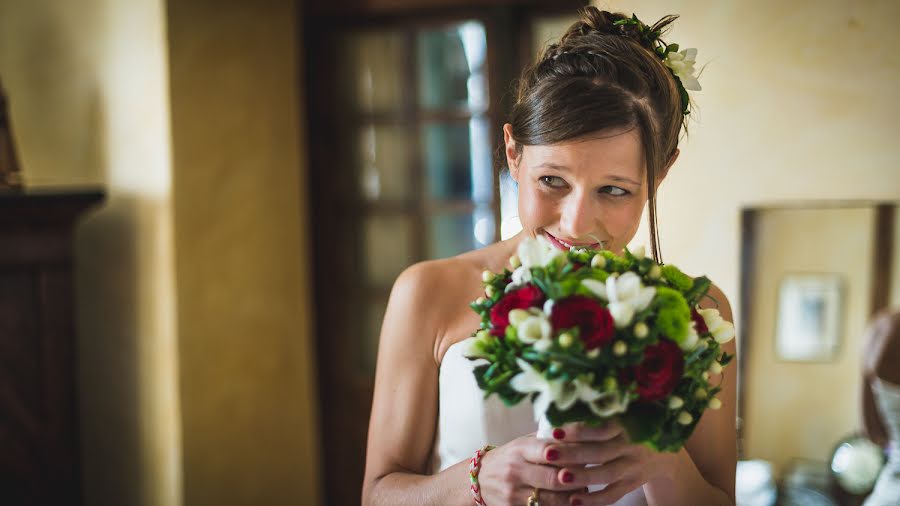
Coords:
39,450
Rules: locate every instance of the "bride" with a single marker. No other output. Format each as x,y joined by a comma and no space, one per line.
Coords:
593,132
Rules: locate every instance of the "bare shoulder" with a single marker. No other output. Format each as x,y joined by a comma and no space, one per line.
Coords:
716,299
433,281
433,297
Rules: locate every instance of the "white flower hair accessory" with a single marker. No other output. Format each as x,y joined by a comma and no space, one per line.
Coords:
680,63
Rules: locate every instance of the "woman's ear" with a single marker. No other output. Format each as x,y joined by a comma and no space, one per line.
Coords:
512,155
665,170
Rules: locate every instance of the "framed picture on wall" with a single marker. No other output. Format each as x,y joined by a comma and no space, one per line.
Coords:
809,317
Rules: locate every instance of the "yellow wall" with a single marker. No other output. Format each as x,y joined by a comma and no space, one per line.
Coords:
89,104
800,101
801,409
244,322
197,388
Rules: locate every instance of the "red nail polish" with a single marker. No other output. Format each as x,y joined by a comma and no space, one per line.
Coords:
553,454
576,502
559,434
568,477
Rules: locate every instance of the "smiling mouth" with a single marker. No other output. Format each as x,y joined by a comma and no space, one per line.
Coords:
566,245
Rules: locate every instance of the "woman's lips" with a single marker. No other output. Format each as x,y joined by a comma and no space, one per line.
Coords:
565,245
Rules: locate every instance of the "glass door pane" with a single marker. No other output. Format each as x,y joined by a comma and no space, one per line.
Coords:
451,67
372,70
383,163
457,159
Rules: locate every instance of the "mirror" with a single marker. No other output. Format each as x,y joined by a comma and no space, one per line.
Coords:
813,274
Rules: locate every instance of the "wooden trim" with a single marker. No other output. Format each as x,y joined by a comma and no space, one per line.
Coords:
749,221
882,257
399,7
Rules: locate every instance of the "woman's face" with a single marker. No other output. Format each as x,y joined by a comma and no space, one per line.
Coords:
577,193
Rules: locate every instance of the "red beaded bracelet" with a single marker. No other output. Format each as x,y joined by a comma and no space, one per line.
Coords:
474,467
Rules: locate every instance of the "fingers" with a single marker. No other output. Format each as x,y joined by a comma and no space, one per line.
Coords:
610,472
579,432
609,495
577,454
544,497
544,477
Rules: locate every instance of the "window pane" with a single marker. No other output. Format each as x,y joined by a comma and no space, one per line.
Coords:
389,248
457,159
509,206
372,71
451,62
452,234
383,162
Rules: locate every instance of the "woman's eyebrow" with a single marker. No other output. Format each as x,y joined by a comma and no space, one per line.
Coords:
564,168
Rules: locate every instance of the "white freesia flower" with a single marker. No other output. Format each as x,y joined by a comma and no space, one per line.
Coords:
608,404
682,65
690,342
531,380
473,347
537,252
520,276
579,390
548,307
625,293
722,330
533,327
532,252
563,395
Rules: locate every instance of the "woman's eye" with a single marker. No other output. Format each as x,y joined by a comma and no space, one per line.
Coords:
615,191
552,181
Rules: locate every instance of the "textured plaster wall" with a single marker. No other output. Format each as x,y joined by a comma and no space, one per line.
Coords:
88,86
245,329
800,102
197,388
801,409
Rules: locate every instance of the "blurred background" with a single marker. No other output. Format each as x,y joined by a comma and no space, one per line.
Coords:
268,167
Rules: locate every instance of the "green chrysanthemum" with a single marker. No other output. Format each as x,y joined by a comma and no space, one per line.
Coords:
615,263
677,278
673,316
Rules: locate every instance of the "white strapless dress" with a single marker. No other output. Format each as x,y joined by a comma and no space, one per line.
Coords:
887,488
467,421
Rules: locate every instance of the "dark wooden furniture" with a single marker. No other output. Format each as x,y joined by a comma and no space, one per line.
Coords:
39,453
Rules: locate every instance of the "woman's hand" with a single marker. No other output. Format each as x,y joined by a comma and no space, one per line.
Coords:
510,473
624,466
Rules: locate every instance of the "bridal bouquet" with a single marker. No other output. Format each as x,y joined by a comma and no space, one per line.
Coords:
590,336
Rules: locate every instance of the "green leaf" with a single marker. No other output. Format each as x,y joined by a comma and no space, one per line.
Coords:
479,372
643,421
701,286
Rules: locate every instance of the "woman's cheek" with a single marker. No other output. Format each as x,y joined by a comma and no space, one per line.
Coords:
536,209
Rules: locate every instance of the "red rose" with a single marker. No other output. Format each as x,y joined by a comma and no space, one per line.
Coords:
592,319
699,322
660,370
521,298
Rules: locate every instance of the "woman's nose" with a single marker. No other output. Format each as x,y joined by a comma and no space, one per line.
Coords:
577,220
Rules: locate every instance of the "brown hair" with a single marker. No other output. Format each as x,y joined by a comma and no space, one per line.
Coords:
602,76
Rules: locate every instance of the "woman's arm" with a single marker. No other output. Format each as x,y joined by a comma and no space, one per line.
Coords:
404,413
703,472
404,406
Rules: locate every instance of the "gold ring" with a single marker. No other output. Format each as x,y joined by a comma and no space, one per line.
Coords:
533,499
